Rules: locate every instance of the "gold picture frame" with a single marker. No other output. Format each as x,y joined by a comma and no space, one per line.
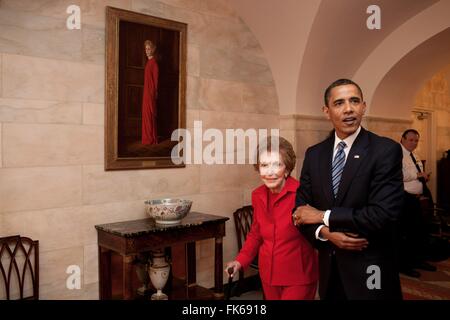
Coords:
140,112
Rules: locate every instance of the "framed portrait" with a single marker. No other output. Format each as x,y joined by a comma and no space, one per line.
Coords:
145,92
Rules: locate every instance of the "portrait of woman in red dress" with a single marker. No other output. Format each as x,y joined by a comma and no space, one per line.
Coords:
150,95
145,90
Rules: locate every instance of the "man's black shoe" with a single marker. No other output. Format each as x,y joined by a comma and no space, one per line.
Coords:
425,266
411,273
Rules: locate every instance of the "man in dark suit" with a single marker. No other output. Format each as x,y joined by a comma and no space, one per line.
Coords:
349,201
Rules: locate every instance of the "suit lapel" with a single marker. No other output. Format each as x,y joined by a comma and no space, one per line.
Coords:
355,157
325,160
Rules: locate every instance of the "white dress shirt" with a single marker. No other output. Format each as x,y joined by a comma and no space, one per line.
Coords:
410,181
349,142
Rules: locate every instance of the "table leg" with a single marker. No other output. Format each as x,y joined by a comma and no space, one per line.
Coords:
104,273
218,268
191,264
127,287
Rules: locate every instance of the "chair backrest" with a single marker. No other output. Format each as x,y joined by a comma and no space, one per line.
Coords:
19,266
243,219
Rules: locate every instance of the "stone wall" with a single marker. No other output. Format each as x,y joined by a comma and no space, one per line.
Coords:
53,186
435,96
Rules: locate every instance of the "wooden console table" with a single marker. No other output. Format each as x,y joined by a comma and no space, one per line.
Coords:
129,238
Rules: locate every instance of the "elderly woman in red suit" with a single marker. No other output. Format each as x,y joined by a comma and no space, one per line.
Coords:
287,262
150,94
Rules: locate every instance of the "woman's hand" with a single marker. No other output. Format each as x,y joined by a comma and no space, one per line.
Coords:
235,265
307,215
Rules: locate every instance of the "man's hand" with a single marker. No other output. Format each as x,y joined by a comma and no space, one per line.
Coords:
307,215
349,241
424,175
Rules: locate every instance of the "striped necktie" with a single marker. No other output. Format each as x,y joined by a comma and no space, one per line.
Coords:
338,167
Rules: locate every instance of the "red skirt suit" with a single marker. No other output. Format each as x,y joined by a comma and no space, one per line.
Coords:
285,257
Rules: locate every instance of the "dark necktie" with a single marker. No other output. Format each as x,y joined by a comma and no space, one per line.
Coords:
421,179
415,162
425,191
338,167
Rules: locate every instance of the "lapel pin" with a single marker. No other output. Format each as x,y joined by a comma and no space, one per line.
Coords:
356,156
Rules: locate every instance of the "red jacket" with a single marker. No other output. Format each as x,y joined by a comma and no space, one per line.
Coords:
285,257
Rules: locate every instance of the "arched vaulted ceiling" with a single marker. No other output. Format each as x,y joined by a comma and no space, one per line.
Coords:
340,42
398,88
309,43
282,28
410,54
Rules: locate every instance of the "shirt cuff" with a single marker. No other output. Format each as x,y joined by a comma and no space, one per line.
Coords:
326,218
318,237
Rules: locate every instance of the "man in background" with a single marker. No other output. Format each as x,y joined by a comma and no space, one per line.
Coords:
412,223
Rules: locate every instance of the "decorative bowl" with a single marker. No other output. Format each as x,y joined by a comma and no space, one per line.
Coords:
168,211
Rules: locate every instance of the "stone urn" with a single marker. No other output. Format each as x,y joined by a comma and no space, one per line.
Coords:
159,273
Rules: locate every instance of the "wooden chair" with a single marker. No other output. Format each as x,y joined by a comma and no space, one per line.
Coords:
19,265
243,219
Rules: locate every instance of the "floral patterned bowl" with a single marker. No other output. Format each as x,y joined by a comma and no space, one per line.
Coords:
168,211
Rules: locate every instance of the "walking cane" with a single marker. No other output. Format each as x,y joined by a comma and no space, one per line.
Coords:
230,282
